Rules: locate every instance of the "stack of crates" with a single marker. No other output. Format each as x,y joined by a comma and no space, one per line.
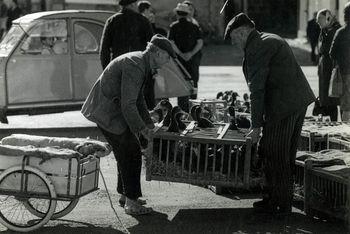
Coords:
327,191
212,156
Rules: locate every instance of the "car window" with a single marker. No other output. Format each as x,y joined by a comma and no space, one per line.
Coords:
87,37
48,37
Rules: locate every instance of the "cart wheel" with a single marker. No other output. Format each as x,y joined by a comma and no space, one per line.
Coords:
38,189
62,208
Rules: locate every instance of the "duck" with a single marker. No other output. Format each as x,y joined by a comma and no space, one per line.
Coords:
203,122
176,124
243,122
166,106
193,112
233,124
219,95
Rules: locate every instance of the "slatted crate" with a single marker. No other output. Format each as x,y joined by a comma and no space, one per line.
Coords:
217,107
201,157
326,192
337,143
312,141
299,181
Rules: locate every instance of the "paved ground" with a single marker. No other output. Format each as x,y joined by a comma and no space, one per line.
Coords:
179,208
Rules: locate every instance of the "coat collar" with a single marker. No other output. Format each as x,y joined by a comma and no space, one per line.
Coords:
251,41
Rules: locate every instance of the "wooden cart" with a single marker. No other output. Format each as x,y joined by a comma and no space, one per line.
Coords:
39,184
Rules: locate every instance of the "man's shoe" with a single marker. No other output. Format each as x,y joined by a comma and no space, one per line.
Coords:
264,206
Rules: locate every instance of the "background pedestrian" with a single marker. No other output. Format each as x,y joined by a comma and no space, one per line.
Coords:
340,52
329,25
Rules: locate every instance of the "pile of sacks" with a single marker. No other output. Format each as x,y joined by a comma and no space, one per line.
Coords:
332,160
63,147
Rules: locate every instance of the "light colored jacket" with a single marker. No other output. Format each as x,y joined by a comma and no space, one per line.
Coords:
116,100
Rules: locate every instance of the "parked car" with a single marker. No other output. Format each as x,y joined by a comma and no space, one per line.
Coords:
49,61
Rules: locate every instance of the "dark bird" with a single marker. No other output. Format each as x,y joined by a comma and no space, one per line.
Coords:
243,122
176,123
203,122
234,96
233,124
166,107
193,112
219,95
245,97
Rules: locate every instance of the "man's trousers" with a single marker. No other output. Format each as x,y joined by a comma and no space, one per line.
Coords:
278,147
127,152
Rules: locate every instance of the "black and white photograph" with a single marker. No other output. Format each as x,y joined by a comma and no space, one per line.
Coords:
175,116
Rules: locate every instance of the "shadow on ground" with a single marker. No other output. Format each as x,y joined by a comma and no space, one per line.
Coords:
238,220
228,55
63,226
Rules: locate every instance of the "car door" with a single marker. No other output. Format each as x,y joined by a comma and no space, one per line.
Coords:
86,66
39,69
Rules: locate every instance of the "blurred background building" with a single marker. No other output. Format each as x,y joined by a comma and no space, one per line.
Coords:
287,18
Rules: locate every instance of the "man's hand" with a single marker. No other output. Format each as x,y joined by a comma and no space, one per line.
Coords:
254,133
187,56
146,132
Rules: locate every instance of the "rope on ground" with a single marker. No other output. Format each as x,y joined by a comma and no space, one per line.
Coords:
111,203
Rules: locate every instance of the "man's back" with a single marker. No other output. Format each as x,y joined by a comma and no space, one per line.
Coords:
271,66
126,31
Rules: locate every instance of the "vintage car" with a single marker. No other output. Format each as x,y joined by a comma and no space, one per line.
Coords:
49,61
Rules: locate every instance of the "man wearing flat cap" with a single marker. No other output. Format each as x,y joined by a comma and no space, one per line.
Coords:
279,94
116,104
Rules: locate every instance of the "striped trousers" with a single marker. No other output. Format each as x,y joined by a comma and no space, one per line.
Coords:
278,148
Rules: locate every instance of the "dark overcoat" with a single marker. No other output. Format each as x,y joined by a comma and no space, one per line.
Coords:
276,82
124,32
325,65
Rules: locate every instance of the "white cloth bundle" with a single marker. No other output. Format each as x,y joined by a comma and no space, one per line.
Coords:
46,152
83,146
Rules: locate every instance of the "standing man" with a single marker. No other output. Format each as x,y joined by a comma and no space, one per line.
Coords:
279,97
116,104
13,12
124,32
329,25
312,33
187,41
3,18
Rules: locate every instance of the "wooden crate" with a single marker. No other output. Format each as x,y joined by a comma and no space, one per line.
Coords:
336,143
217,107
201,157
326,193
71,177
312,141
299,180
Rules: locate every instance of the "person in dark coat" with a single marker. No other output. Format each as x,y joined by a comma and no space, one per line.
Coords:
125,31
279,94
340,53
13,12
329,25
116,104
3,18
188,42
145,9
313,33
